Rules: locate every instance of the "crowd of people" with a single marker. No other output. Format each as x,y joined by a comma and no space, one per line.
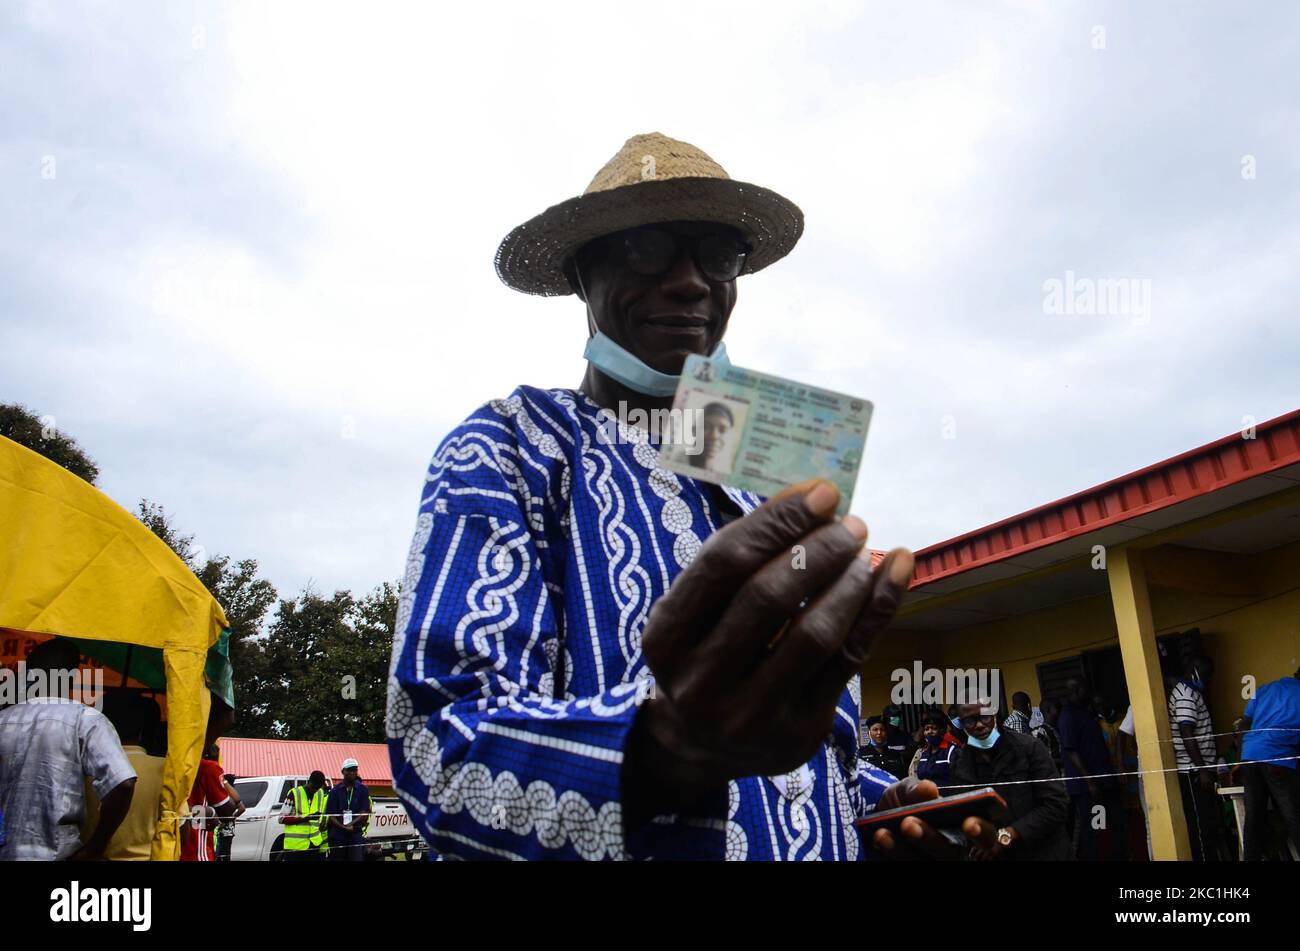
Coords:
320,821
1095,808
82,783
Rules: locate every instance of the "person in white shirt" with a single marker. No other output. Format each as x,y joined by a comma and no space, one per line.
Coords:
1128,753
48,745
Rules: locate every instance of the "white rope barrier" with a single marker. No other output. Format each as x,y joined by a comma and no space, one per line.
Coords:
1136,772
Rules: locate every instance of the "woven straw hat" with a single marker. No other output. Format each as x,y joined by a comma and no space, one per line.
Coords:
652,179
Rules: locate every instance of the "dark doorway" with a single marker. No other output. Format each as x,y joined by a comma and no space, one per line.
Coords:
1103,669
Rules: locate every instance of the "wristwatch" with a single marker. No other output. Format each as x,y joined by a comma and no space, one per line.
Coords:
1004,837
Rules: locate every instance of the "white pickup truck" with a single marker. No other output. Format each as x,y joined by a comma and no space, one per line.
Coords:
259,835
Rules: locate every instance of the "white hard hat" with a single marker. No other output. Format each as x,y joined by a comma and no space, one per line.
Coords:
348,763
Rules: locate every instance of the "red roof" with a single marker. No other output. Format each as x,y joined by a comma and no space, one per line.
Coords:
245,757
1224,462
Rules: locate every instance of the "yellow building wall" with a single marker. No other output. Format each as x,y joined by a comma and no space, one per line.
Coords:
1015,645
1256,636
892,650
1260,639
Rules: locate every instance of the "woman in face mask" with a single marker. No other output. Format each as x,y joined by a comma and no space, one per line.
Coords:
934,759
878,752
898,739
954,727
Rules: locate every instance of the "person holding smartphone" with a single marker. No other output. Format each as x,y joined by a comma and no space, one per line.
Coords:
1020,770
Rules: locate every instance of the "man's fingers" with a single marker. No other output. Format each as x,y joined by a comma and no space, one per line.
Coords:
775,593
884,840
816,635
979,831
925,837
888,583
920,790
889,846
915,838
728,559
801,488
887,592
907,792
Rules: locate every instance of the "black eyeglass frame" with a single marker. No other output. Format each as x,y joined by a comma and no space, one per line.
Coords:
623,242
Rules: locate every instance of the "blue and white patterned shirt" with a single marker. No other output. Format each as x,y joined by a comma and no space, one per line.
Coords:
537,528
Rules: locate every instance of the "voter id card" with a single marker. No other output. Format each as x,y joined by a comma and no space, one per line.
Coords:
761,433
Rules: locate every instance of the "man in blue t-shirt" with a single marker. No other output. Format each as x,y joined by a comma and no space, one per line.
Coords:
348,807
1273,721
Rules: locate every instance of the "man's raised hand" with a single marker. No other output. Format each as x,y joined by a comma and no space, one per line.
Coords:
752,646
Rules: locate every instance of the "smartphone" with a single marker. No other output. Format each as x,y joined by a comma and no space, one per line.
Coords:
946,812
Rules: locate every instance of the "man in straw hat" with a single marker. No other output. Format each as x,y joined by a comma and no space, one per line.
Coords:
597,658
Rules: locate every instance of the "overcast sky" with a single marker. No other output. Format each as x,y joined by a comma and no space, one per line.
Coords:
246,250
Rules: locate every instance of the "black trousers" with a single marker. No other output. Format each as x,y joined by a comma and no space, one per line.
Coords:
302,855
1265,781
348,853
1203,812
1087,838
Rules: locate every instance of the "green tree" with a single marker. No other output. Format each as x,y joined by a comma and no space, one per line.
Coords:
157,520
319,671
328,665
246,599
24,427
376,621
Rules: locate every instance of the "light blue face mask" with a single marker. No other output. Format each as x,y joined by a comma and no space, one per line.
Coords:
623,366
984,744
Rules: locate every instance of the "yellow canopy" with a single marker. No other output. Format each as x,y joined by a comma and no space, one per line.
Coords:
75,563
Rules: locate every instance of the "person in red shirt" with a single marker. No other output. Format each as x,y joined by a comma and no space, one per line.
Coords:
209,800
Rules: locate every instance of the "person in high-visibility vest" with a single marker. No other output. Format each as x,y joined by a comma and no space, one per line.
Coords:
303,819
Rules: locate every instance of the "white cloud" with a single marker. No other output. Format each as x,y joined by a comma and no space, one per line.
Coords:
274,224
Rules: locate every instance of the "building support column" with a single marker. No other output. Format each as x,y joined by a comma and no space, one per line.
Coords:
1137,641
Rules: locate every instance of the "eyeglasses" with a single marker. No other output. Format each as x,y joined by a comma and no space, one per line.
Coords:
651,252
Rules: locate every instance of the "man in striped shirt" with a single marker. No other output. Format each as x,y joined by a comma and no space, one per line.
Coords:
1196,752
1018,720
